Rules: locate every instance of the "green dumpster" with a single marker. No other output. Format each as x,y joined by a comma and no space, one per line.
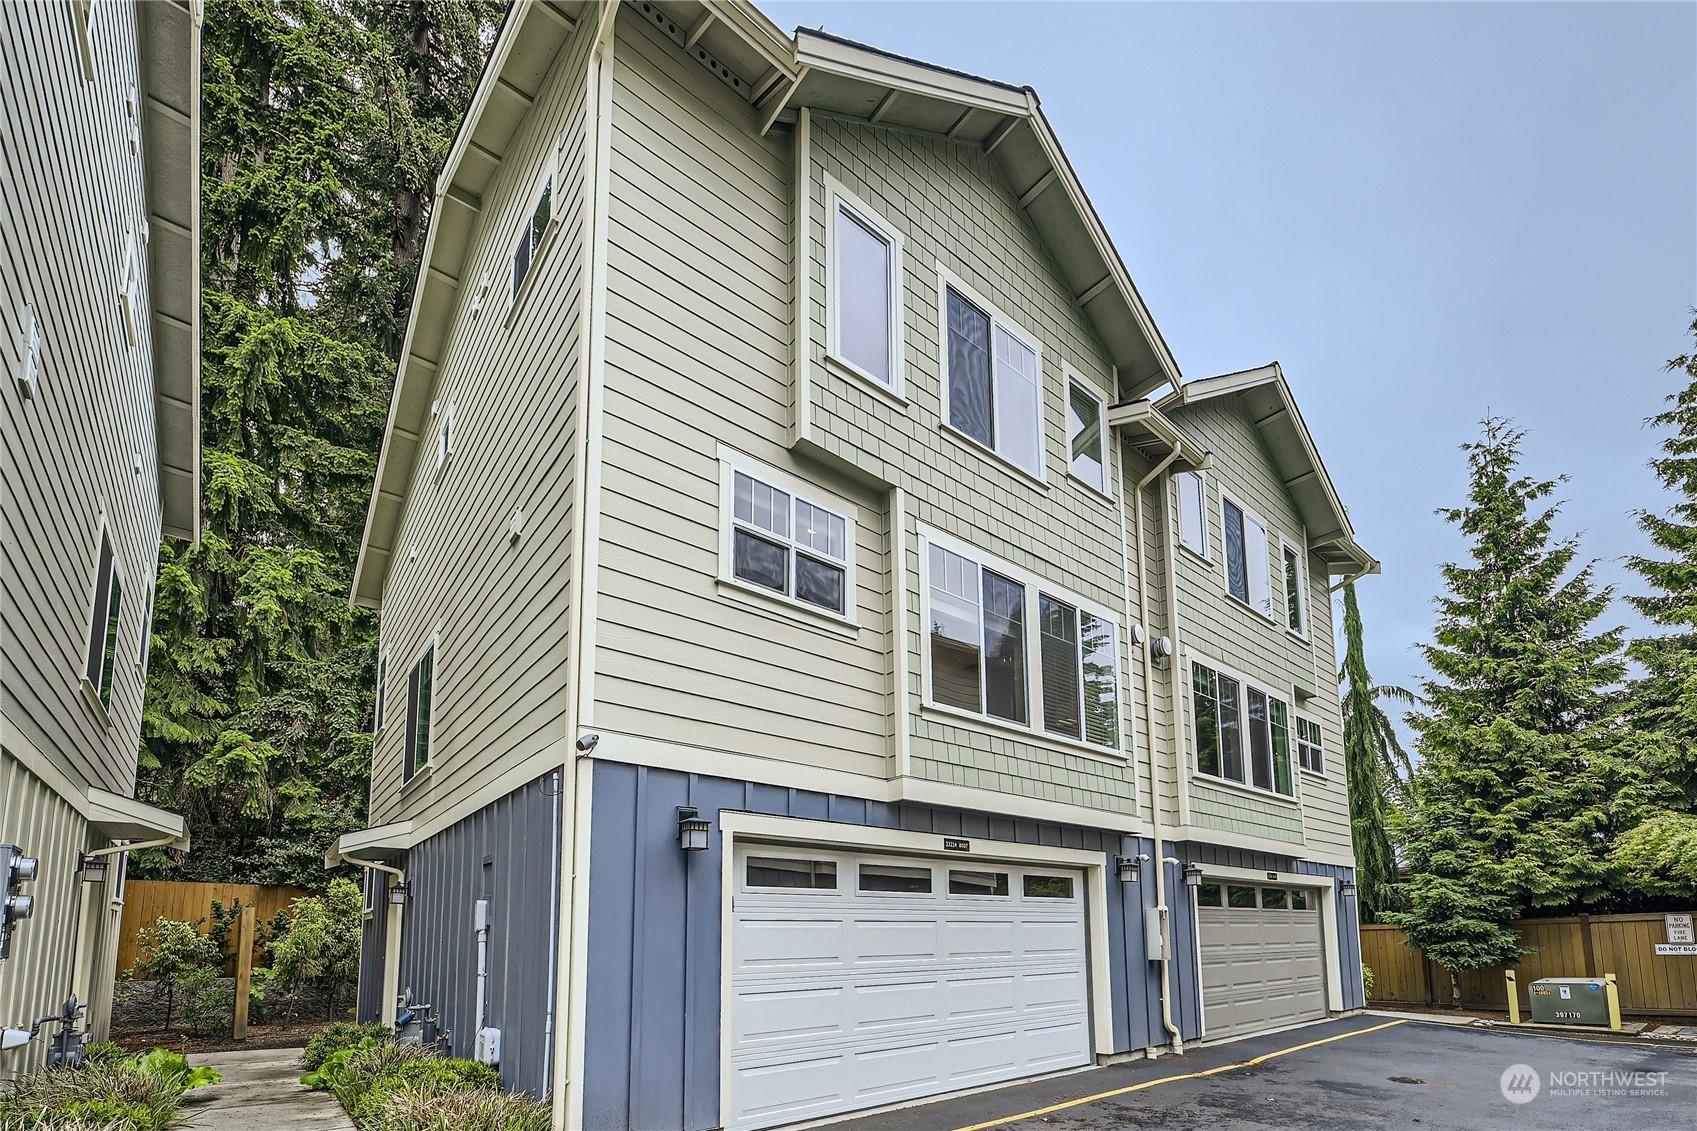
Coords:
1570,1001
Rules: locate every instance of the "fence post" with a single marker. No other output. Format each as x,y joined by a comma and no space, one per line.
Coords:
244,971
1513,997
1590,944
1614,1001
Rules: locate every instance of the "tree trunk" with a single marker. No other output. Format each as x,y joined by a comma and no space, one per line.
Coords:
1455,991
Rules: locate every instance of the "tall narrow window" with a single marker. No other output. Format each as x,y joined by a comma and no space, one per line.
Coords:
1295,612
1205,719
864,295
530,236
1260,742
103,624
994,383
1310,753
956,644
382,697
1084,431
788,545
421,687
1192,513
1248,571
1004,649
146,635
1101,680
1062,712
1278,721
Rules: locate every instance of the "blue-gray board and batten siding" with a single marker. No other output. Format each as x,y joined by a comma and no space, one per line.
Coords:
507,853
655,919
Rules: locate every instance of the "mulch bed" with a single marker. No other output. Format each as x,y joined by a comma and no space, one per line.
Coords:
273,1035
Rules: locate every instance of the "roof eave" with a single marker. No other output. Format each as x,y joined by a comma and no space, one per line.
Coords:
170,34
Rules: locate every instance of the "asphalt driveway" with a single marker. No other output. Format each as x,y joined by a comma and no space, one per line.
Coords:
1364,1072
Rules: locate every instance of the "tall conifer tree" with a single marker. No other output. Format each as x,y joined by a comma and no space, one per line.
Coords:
1374,762
324,125
1517,792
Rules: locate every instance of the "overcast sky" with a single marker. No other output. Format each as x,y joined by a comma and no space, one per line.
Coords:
1425,212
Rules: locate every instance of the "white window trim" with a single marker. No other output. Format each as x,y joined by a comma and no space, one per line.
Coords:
380,704
1206,553
1286,543
1033,584
946,281
145,644
551,183
1093,390
839,197
411,773
28,370
732,461
129,287
91,690
1267,529
1270,688
83,12
1321,772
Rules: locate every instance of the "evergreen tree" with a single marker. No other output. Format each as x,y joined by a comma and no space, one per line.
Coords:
1520,784
324,125
1375,765
1660,855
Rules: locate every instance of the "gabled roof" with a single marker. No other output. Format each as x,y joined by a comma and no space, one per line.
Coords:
1266,398
170,121
852,80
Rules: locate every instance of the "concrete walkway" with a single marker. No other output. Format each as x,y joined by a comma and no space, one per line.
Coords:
261,1091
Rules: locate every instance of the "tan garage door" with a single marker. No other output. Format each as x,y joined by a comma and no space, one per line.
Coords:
1263,964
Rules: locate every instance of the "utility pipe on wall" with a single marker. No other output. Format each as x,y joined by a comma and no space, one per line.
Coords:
482,920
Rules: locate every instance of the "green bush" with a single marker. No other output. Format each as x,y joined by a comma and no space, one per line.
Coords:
319,951
366,1080
340,1035
207,1003
105,1052
141,1093
173,950
1366,981
423,1107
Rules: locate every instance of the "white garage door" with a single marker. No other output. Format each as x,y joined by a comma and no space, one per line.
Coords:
859,980
1263,964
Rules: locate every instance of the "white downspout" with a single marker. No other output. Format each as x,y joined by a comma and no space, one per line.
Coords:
391,939
482,919
82,960
1154,768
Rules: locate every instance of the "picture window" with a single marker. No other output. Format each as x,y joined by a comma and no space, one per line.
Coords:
1241,733
866,320
993,382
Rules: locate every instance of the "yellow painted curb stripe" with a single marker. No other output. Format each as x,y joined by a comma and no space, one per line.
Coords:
1170,1079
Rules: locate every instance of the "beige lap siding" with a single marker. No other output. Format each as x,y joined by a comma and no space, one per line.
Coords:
501,607
71,187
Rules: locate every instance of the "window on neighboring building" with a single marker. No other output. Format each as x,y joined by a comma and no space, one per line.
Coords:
83,13
1248,576
444,436
1085,447
146,645
981,650
1296,600
795,547
993,382
421,688
1192,512
530,236
1309,752
102,658
1241,733
977,883
866,293
129,288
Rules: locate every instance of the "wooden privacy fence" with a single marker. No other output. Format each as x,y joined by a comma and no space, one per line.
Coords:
148,901
1583,946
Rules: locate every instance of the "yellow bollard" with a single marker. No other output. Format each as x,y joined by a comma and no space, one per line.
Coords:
1614,1001
1513,997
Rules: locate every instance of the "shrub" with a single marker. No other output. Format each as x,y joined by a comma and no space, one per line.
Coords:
340,1035
208,1002
172,950
104,1052
424,1107
319,950
366,1079
140,1093
1366,981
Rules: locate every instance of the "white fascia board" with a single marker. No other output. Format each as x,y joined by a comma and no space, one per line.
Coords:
830,55
125,818
395,837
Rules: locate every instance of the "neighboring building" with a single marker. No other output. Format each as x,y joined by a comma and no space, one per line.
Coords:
773,454
99,336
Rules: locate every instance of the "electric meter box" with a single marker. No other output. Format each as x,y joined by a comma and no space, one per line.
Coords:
1570,1001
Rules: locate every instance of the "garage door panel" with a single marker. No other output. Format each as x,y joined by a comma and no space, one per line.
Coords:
1261,967
854,999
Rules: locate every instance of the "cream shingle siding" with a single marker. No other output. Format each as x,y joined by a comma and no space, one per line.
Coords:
500,607
1217,627
72,197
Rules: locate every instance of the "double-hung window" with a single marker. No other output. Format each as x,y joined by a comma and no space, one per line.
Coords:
1085,448
1010,648
1192,511
1240,732
1296,589
782,536
421,700
1310,752
1248,572
865,329
993,378
102,657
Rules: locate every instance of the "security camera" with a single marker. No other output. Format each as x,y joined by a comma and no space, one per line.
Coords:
587,742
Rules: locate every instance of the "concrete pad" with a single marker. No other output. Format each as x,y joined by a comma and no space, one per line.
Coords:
261,1091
